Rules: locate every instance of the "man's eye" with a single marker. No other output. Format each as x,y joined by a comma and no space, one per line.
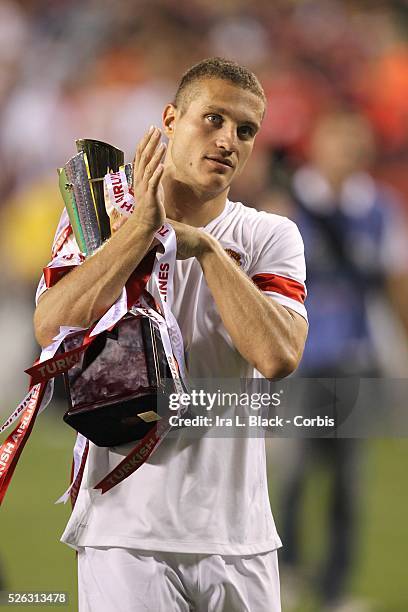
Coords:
246,131
214,118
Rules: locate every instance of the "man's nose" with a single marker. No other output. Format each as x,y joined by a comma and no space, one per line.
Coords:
227,138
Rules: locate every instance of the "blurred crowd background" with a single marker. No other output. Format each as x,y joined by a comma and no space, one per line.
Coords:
332,155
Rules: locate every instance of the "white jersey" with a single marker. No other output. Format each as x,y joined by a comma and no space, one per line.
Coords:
207,495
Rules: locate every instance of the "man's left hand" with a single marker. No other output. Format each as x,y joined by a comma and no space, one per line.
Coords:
191,241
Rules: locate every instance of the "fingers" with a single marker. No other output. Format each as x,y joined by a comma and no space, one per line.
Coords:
145,152
147,175
142,144
154,181
154,162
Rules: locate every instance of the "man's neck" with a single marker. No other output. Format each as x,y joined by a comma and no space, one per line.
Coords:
184,204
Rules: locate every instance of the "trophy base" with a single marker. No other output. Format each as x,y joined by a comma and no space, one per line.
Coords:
118,423
114,390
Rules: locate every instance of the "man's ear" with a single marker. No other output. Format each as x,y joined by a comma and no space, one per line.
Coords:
169,119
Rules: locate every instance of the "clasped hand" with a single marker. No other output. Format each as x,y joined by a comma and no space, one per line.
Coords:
149,197
191,241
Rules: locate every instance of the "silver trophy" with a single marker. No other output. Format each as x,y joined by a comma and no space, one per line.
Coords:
113,390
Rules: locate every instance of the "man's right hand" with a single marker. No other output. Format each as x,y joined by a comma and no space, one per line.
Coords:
147,173
85,294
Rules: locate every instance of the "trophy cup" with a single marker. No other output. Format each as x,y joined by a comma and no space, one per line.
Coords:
113,390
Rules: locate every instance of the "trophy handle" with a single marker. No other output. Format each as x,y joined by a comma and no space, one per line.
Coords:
68,196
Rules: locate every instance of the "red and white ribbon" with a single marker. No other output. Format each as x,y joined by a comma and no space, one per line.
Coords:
137,456
80,454
163,277
12,447
118,196
50,364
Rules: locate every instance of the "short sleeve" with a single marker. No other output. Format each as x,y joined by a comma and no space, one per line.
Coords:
278,267
65,256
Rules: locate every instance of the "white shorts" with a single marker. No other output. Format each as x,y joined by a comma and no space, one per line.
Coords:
124,580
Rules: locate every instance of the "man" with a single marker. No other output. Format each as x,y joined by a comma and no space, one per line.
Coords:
192,528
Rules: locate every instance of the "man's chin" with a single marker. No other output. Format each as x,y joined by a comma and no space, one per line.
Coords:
206,188
214,187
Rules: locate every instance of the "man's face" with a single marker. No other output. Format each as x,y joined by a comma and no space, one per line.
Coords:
211,139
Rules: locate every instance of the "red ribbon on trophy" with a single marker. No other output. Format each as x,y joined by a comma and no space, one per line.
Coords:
91,228
12,447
